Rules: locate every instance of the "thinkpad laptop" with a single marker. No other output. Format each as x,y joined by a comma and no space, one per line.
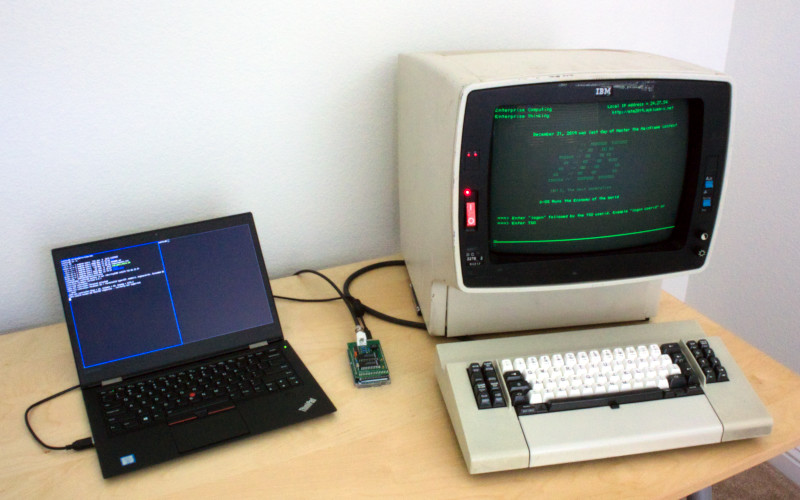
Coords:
177,342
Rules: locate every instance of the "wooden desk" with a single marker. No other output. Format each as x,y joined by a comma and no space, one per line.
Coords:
391,441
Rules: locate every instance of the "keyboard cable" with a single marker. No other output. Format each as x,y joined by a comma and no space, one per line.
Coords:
80,444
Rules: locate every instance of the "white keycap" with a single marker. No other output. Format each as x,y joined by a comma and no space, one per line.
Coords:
506,366
544,361
655,350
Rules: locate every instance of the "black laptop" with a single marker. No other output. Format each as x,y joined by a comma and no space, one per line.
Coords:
177,342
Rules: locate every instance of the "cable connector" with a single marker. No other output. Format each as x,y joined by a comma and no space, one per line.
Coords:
82,444
361,337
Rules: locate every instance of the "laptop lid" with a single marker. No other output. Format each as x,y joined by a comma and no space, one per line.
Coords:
137,303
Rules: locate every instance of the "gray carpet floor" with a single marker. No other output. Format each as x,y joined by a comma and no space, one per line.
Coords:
760,482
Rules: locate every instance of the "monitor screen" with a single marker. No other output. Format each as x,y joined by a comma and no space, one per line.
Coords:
562,183
586,177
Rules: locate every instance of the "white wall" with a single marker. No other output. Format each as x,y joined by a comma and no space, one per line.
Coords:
124,116
751,284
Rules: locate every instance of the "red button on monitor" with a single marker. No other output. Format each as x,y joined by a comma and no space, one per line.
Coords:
471,217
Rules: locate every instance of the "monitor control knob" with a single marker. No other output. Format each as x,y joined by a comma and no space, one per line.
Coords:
703,236
701,252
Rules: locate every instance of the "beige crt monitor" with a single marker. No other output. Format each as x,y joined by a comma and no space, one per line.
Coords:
550,188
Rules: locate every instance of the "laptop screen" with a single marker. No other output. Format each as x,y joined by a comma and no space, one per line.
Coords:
153,299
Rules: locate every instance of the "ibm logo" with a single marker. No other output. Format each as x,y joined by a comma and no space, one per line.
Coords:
602,91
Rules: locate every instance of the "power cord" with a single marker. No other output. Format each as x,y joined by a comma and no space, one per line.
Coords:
80,444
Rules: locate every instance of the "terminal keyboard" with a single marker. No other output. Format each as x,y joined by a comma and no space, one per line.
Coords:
544,399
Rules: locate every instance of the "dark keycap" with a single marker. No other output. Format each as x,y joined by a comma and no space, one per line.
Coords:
497,399
677,381
518,386
483,400
670,348
513,376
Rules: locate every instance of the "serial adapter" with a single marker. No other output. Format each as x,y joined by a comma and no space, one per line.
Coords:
367,362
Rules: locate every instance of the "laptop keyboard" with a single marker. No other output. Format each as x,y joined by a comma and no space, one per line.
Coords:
191,393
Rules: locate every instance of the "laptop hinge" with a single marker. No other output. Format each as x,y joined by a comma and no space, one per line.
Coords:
111,381
258,344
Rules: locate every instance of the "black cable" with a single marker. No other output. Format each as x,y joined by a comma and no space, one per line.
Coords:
357,317
373,312
338,292
329,299
80,444
356,307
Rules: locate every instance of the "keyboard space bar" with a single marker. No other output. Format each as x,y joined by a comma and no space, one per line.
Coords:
581,402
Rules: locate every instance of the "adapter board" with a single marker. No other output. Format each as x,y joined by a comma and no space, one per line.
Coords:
368,363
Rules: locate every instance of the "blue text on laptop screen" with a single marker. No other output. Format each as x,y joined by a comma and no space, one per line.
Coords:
150,297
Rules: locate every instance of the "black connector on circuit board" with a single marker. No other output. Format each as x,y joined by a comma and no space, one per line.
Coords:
367,362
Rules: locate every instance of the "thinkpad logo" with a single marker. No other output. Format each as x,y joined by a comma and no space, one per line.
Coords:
308,405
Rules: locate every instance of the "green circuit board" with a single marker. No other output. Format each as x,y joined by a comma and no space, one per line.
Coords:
368,364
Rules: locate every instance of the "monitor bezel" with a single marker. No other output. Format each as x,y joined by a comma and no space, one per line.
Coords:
685,251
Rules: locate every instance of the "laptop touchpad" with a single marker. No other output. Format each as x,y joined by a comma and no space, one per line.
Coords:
208,430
